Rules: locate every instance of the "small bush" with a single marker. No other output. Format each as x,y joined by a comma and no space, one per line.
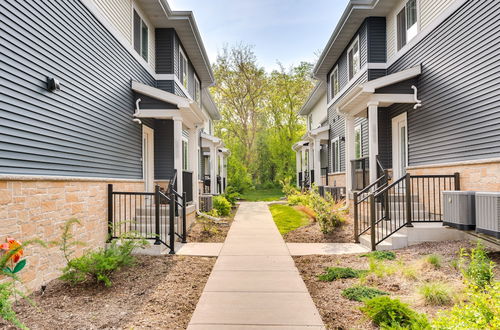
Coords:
381,255
287,187
476,267
208,226
361,293
410,272
232,195
392,313
222,205
380,268
7,292
298,199
436,294
434,260
335,273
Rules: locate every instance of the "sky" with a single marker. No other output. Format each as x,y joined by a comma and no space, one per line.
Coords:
288,31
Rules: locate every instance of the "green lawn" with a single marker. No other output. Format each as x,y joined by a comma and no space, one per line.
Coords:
262,195
287,218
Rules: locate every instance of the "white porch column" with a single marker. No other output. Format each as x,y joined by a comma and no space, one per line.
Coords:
194,161
373,139
298,164
221,171
317,162
213,169
178,152
349,151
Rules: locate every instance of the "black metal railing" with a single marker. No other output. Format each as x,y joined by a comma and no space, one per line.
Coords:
360,173
301,182
324,172
187,185
178,201
207,184
219,184
337,193
306,183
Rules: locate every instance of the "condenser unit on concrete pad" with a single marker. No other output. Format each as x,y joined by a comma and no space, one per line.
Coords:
488,213
459,209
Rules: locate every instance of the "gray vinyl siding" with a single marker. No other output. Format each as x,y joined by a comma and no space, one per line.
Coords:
459,118
86,129
376,40
191,71
164,149
376,73
164,50
166,85
152,103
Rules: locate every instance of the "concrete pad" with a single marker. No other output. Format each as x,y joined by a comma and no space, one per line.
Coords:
200,249
255,263
252,327
257,281
254,249
256,308
303,249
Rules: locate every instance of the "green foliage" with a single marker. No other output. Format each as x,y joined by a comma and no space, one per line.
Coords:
213,213
7,292
232,195
287,218
381,268
481,310
266,195
208,226
476,266
298,199
436,293
222,205
335,273
380,255
97,266
287,187
434,260
393,314
361,293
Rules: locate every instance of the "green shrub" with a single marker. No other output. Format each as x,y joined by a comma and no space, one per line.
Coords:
476,267
436,293
335,273
232,195
393,314
98,265
479,311
380,268
298,199
222,205
361,293
434,260
287,187
7,293
381,255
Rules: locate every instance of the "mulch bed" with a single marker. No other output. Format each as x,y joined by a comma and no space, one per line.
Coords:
312,234
158,292
338,312
218,235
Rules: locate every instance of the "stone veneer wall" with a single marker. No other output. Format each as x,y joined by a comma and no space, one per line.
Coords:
38,208
337,179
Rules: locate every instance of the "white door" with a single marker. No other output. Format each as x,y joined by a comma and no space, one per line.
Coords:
148,158
399,146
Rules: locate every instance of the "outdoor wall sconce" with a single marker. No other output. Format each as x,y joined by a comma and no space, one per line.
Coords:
342,138
53,85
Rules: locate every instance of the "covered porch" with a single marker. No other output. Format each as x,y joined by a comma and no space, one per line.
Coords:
213,165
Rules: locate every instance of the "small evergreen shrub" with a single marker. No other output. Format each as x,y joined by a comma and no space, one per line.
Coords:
436,293
361,293
476,266
222,205
380,255
335,273
7,292
393,314
434,260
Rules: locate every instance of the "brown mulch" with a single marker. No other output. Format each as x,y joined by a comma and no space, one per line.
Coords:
158,292
218,230
312,234
338,312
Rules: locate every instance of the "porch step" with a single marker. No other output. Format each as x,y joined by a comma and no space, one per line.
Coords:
395,241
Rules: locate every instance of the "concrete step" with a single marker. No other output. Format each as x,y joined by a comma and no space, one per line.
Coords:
396,241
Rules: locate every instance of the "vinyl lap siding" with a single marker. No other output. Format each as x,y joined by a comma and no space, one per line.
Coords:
165,50
459,119
376,40
164,149
430,9
86,129
118,13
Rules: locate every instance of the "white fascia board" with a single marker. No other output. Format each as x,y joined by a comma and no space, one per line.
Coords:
209,104
314,97
210,138
391,79
158,113
161,95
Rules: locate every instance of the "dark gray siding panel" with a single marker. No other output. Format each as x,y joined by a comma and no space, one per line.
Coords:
164,43
166,85
376,39
376,73
402,87
191,71
164,149
152,103
384,137
459,88
86,129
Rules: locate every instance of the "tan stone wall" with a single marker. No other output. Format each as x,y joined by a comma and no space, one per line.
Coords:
337,179
38,209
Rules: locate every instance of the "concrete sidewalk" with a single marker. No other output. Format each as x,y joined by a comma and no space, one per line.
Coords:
254,283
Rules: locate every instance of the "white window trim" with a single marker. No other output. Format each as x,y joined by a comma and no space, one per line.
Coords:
334,71
334,169
182,54
360,128
184,139
351,46
399,8
141,15
195,93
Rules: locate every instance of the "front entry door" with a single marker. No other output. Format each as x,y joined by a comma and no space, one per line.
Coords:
399,146
148,157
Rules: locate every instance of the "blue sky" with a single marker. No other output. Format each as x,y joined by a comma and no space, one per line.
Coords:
288,31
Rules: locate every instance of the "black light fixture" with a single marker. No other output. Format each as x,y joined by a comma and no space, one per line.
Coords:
342,138
53,85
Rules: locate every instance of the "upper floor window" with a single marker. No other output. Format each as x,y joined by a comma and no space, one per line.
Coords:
197,90
407,27
183,68
358,142
334,82
336,155
141,35
353,58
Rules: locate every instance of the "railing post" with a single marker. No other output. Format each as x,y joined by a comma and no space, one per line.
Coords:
356,215
157,215
171,223
457,180
408,200
184,230
110,212
372,222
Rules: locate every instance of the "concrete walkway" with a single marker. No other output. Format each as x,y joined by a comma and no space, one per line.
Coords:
254,283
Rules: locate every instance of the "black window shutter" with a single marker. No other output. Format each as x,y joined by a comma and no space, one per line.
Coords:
401,30
137,32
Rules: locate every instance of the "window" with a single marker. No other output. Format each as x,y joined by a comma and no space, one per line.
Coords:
334,82
183,68
309,122
141,35
358,142
197,90
407,27
336,155
353,58
185,154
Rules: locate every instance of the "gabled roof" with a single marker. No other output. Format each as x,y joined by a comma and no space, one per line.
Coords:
316,94
210,106
350,21
184,23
